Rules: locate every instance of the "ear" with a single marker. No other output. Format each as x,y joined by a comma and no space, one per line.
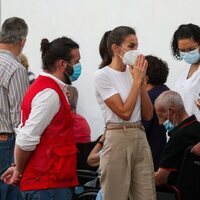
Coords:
61,64
171,111
22,43
114,48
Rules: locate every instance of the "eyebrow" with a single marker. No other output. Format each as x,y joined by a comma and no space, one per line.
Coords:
132,43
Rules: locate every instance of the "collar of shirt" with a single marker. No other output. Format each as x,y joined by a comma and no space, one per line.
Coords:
10,54
61,84
183,124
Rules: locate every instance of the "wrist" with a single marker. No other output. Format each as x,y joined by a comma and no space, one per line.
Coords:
13,165
100,143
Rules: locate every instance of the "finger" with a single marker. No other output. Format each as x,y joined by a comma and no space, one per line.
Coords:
5,174
142,59
16,181
145,65
137,61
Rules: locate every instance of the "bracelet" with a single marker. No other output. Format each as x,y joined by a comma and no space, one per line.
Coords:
100,143
13,165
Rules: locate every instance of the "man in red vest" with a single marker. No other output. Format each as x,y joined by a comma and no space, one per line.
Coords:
45,151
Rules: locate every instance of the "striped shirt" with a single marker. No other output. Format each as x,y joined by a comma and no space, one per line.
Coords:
13,85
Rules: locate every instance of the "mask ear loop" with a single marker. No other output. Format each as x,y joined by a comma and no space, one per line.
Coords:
119,54
124,53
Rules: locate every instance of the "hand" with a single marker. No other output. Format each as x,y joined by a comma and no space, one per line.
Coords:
103,137
196,149
11,176
138,71
198,103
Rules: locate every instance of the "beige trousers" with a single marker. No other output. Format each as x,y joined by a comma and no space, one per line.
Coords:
126,166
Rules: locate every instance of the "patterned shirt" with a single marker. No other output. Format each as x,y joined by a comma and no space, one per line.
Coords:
13,85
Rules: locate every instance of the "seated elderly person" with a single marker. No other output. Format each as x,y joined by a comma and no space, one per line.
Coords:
184,131
81,127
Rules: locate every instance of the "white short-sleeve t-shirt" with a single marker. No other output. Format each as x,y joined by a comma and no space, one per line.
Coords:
109,82
189,89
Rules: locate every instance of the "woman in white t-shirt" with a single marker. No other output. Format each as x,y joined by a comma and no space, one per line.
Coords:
125,162
186,45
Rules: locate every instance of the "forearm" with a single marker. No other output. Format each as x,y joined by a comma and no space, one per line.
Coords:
124,110
94,158
161,177
146,105
21,158
129,105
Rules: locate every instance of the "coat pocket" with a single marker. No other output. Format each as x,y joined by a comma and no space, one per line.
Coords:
64,166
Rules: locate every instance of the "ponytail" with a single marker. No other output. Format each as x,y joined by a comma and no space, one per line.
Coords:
44,46
116,36
104,52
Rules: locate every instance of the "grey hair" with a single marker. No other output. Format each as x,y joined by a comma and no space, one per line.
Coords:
169,99
73,97
13,30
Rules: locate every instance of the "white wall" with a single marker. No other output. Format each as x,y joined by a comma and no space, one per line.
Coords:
85,21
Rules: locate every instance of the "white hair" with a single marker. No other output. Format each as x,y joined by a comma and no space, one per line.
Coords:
169,99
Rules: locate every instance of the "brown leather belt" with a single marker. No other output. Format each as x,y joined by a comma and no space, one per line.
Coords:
6,136
113,126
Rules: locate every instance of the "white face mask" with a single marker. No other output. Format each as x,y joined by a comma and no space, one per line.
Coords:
130,57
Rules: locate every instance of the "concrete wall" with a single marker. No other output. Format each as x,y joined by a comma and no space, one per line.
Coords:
85,21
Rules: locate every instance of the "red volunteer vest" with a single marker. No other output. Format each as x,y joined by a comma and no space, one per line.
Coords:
53,162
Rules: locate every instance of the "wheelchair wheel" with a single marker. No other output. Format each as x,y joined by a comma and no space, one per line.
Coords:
87,195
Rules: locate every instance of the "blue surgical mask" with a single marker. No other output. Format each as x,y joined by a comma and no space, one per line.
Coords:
191,57
168,125
77,72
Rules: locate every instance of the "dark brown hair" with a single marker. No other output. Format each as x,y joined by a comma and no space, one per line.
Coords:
184,31
59,48
116,36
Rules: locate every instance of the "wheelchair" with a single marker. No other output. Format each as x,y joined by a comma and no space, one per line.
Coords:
88,185
187,182
88,176
186,186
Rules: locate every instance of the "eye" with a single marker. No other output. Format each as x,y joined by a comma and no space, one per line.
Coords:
188,49
133,46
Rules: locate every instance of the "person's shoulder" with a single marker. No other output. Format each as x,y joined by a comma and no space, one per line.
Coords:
79,117
196,126
101,71
190,127
101,74
8,69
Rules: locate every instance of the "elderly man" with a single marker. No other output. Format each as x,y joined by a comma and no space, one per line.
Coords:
182,129
81,127
13,85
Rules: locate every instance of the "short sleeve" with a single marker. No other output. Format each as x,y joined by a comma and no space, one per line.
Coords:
104,85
